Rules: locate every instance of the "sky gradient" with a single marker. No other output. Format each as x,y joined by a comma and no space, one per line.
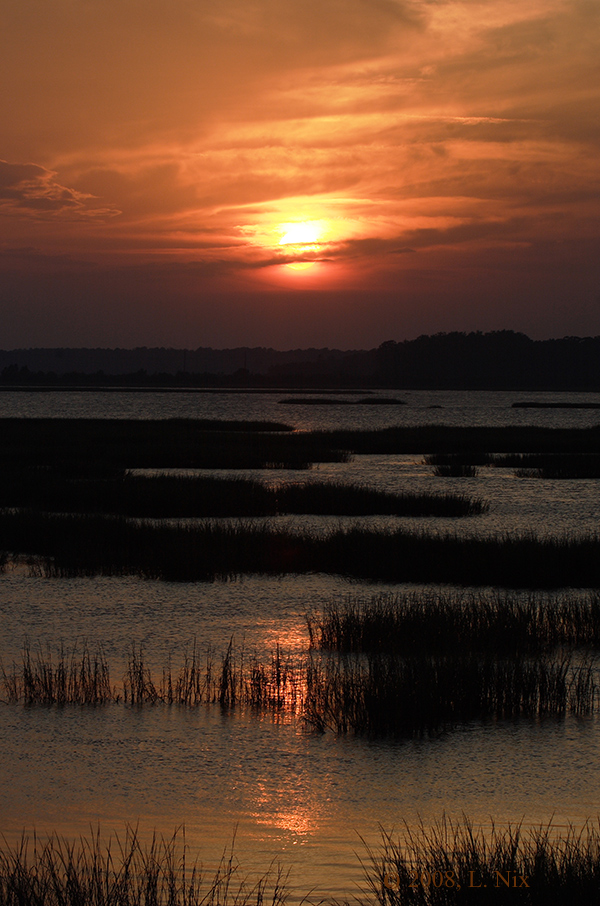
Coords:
297,173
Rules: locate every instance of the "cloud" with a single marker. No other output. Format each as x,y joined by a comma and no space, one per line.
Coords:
32,191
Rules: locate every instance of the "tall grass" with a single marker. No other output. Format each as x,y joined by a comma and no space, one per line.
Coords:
456,465
232,680
454,864
176,496
450,622
238,680
376,695
386,695
88,446
324,401
469,440
446,864
91,446
72,677
127,872
550,465
95,545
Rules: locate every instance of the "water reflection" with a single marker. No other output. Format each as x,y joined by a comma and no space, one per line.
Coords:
291,793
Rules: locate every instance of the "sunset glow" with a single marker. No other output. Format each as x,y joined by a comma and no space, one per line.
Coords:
301,234
302,238
440,161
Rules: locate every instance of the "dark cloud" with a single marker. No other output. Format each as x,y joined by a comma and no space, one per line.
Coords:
27,189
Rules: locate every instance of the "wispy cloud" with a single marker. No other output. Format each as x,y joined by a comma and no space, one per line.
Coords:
32,191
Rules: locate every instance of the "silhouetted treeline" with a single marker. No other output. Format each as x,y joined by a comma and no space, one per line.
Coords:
500,360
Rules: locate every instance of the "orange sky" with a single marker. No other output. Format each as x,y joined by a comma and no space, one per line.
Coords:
165,161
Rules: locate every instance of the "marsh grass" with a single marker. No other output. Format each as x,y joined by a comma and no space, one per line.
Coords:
373,695
70,677
441,865
233,679
81,545
176,496
430,439
449,859
324,401
456,465
127,872
386,695
93,446
90,446
450,622
550,465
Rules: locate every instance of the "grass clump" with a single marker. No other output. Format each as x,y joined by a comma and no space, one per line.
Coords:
82,545
431,439
387,695
232,680
74,677
176,496
91,446
550,465
236,681
450,622
373,695
456,465
453,864
127,872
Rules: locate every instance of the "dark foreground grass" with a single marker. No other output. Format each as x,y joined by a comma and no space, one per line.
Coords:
386,695
454,864
89,445
233,679
93,446
172,496
377,695
550,465
451,622
127,872
69,677
72,545
466,440
441,865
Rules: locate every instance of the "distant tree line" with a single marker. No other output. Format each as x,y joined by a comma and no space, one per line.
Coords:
499,360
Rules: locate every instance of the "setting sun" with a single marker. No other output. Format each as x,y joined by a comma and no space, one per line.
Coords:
301,233
303,236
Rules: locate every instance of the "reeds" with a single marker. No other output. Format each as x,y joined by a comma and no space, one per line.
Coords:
465,440
445,622
91,446
235,679
86,446
325,401
451,863
374,695
127,872
76,545
456,465
550,465
238,680
72,677
175,496
387,695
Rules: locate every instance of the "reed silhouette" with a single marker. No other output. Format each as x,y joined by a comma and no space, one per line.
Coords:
453,863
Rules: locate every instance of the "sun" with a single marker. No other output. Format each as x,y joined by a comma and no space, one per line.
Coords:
303,233
302,236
